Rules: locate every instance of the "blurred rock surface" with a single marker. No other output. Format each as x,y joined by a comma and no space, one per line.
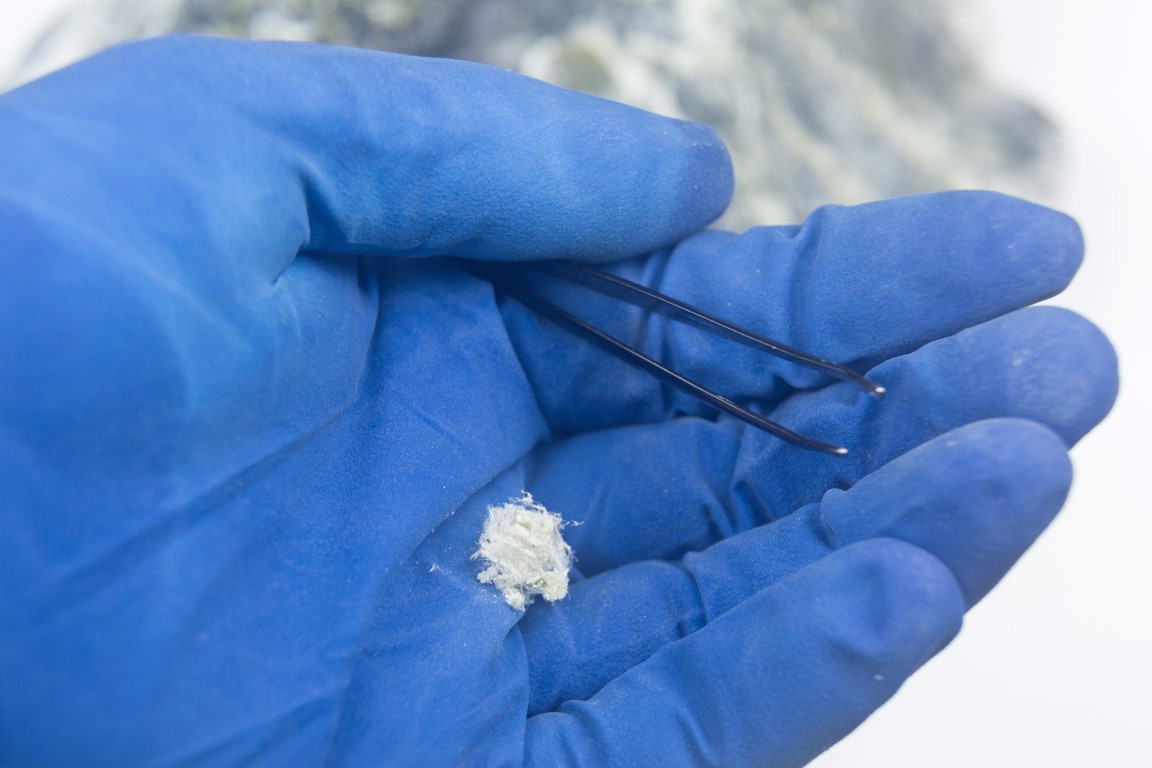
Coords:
819,100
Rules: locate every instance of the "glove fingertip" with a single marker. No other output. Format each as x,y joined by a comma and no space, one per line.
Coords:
1081,390
709,171
909,605
1047,240
663,181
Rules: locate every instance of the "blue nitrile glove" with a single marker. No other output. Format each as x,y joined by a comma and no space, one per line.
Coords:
248,435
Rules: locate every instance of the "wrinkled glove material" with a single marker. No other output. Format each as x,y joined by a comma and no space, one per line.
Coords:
252,416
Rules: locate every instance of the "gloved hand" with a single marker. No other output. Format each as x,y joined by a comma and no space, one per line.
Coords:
250,425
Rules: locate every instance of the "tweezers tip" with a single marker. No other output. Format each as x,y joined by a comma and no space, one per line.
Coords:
840,452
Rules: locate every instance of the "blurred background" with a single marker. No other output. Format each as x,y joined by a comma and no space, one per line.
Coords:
845,101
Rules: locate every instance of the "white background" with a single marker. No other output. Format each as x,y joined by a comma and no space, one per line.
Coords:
1053,669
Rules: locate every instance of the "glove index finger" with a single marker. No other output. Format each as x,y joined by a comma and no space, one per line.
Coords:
340,150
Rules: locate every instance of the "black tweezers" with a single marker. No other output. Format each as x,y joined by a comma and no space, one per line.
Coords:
515,280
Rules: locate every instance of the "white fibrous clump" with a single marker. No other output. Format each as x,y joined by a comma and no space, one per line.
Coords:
525,553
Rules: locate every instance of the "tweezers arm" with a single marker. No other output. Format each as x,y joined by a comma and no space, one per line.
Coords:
644,297
506,281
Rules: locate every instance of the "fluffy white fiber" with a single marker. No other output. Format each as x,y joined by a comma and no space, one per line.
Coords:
524,551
